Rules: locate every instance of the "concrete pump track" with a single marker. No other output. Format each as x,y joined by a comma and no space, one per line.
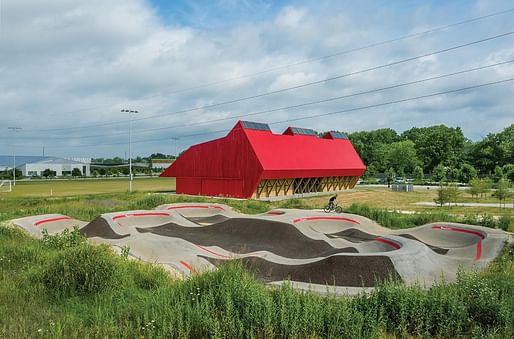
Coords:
334,253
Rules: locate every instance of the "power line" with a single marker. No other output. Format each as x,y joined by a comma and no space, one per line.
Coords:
310,60
398,101
323,114
302,104
307,84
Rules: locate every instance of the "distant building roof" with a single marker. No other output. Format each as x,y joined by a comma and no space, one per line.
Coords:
162,161
7,160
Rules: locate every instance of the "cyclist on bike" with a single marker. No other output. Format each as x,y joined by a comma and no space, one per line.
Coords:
331,201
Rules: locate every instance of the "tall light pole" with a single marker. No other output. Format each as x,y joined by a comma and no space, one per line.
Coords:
14,129
130,112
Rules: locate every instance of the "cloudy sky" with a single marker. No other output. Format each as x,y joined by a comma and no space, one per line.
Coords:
192,68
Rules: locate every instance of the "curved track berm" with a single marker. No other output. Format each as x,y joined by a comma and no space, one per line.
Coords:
311,249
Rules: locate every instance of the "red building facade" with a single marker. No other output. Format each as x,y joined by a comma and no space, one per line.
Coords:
252,162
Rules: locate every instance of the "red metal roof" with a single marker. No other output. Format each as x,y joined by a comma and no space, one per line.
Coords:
235,164
302,156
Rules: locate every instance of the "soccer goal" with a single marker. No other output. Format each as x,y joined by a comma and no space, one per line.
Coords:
5,186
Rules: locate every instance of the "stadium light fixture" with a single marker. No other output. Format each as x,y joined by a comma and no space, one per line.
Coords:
130,112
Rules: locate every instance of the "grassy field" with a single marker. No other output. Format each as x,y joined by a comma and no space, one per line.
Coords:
71,187
86,199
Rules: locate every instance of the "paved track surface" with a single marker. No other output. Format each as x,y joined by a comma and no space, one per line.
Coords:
312,249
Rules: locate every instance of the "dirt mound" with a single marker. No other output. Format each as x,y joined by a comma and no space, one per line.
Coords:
99,227
244,235
352,271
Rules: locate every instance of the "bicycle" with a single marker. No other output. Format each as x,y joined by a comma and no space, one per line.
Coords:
335,207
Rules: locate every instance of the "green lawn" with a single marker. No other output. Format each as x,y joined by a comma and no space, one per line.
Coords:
87,198
71,187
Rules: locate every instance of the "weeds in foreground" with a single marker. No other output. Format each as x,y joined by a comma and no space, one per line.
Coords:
86,291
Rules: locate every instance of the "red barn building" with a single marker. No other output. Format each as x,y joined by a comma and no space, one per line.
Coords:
252,162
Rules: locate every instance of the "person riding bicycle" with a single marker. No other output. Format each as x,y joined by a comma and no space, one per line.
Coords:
331,202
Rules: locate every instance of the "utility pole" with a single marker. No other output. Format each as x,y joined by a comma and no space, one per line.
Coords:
130,112
14,129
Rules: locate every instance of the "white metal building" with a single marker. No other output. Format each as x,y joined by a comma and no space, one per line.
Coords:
162,163
36,165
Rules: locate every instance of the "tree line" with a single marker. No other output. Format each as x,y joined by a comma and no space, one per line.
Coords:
439,152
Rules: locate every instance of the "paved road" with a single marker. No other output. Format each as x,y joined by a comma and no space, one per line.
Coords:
416,187
465,204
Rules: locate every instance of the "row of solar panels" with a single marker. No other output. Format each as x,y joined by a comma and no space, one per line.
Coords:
299,131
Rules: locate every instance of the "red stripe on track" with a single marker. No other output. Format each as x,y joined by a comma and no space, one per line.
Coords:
479,250
196,206
326,218
388,242
215,253
144,214
463,230
275,213
43,221
189,267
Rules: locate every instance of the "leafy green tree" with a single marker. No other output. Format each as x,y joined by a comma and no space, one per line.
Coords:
418,173
48,173
503,191
452,192
475,188
508,171
498,174
494,150
370,173
367,144
442,196
479,187
487,184
9,175
401,156
391,174
439,173
453,173
437,144
447,194
467,173
76,172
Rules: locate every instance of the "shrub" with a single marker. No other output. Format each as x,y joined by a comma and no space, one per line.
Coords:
82,269
149,202
146,276
504,222
292,203
65,239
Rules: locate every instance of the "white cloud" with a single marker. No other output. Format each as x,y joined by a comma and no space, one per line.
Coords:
65,64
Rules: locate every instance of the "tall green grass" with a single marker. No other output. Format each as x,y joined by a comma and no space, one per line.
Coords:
45,291
394,219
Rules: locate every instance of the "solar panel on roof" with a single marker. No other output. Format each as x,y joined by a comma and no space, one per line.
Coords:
304,131
338,135
256,125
